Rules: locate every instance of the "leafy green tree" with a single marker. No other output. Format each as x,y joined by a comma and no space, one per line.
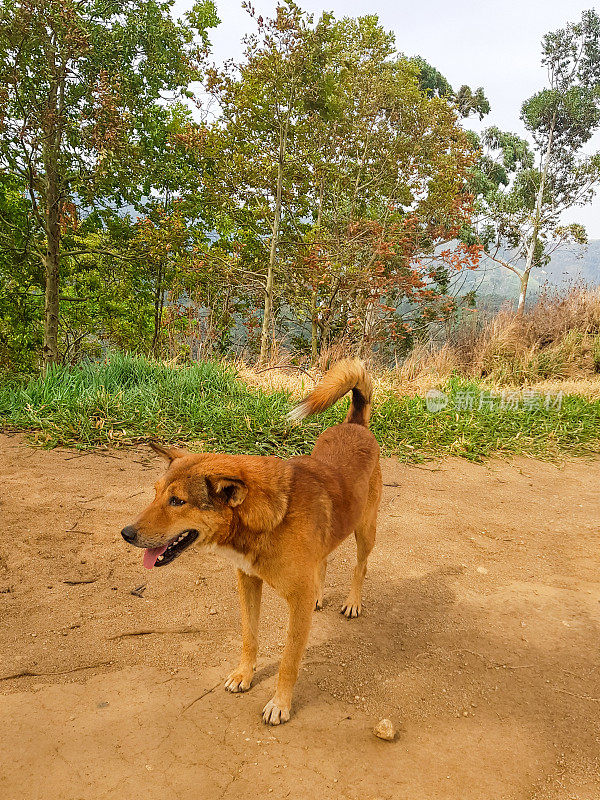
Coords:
84,86
523,194
266,102
340,171
388,166
434,84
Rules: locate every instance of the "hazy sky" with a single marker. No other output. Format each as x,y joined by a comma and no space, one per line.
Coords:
492,43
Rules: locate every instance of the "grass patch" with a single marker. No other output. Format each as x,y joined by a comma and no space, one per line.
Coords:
127,400
490,426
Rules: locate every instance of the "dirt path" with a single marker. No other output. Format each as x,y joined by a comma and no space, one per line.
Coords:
480,638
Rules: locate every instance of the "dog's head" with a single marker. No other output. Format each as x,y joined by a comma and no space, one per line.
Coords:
198,498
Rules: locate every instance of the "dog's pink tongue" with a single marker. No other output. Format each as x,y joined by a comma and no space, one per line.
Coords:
151,554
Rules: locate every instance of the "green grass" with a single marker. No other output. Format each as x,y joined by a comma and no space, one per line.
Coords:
127,400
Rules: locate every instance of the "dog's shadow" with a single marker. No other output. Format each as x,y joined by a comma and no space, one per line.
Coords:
397,617
266,672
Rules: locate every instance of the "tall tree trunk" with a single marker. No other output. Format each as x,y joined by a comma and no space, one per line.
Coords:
368,328
51,263
267,323
314,328
265,336
523,292
53,197
268,307
159,292
537,220
158,309
314,325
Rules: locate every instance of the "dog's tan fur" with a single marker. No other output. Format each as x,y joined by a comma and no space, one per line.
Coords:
279,520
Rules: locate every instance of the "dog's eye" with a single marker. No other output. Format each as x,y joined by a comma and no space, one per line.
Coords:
176,501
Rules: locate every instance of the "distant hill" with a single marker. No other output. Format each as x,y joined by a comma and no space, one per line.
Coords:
494,285
581,263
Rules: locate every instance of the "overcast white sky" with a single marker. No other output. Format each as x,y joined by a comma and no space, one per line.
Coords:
491,43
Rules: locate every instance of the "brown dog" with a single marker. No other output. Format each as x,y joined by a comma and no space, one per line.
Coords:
276,519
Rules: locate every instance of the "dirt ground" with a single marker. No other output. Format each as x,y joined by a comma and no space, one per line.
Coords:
480,639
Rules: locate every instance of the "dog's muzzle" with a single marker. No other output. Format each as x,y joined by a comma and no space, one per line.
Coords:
129,533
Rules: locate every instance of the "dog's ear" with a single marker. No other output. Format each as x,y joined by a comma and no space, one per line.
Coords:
232,490
168,453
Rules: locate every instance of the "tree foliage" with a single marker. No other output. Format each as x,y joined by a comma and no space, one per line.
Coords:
83,95
328,201
343,177
523,193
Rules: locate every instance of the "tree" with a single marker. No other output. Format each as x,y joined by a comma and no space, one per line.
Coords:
523,194
388,167
263,101
341,172
82,85
434,84
177,213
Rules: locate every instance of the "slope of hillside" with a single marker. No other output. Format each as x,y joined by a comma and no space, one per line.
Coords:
576,263
494,285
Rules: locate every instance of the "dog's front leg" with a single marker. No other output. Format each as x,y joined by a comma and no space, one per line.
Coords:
301,607
250,591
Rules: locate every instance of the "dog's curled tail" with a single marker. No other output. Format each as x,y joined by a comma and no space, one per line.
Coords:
346,375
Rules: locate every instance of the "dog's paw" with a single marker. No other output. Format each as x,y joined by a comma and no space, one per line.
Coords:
275,714
351,610
238,681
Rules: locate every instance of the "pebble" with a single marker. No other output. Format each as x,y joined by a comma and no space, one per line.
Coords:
385,730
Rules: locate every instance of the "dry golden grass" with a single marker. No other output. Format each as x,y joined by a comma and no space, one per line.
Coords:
588,388
554,346
557,340
294,380
394,382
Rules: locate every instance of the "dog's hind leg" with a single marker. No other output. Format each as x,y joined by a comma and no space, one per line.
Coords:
365,539
320,581
250,591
